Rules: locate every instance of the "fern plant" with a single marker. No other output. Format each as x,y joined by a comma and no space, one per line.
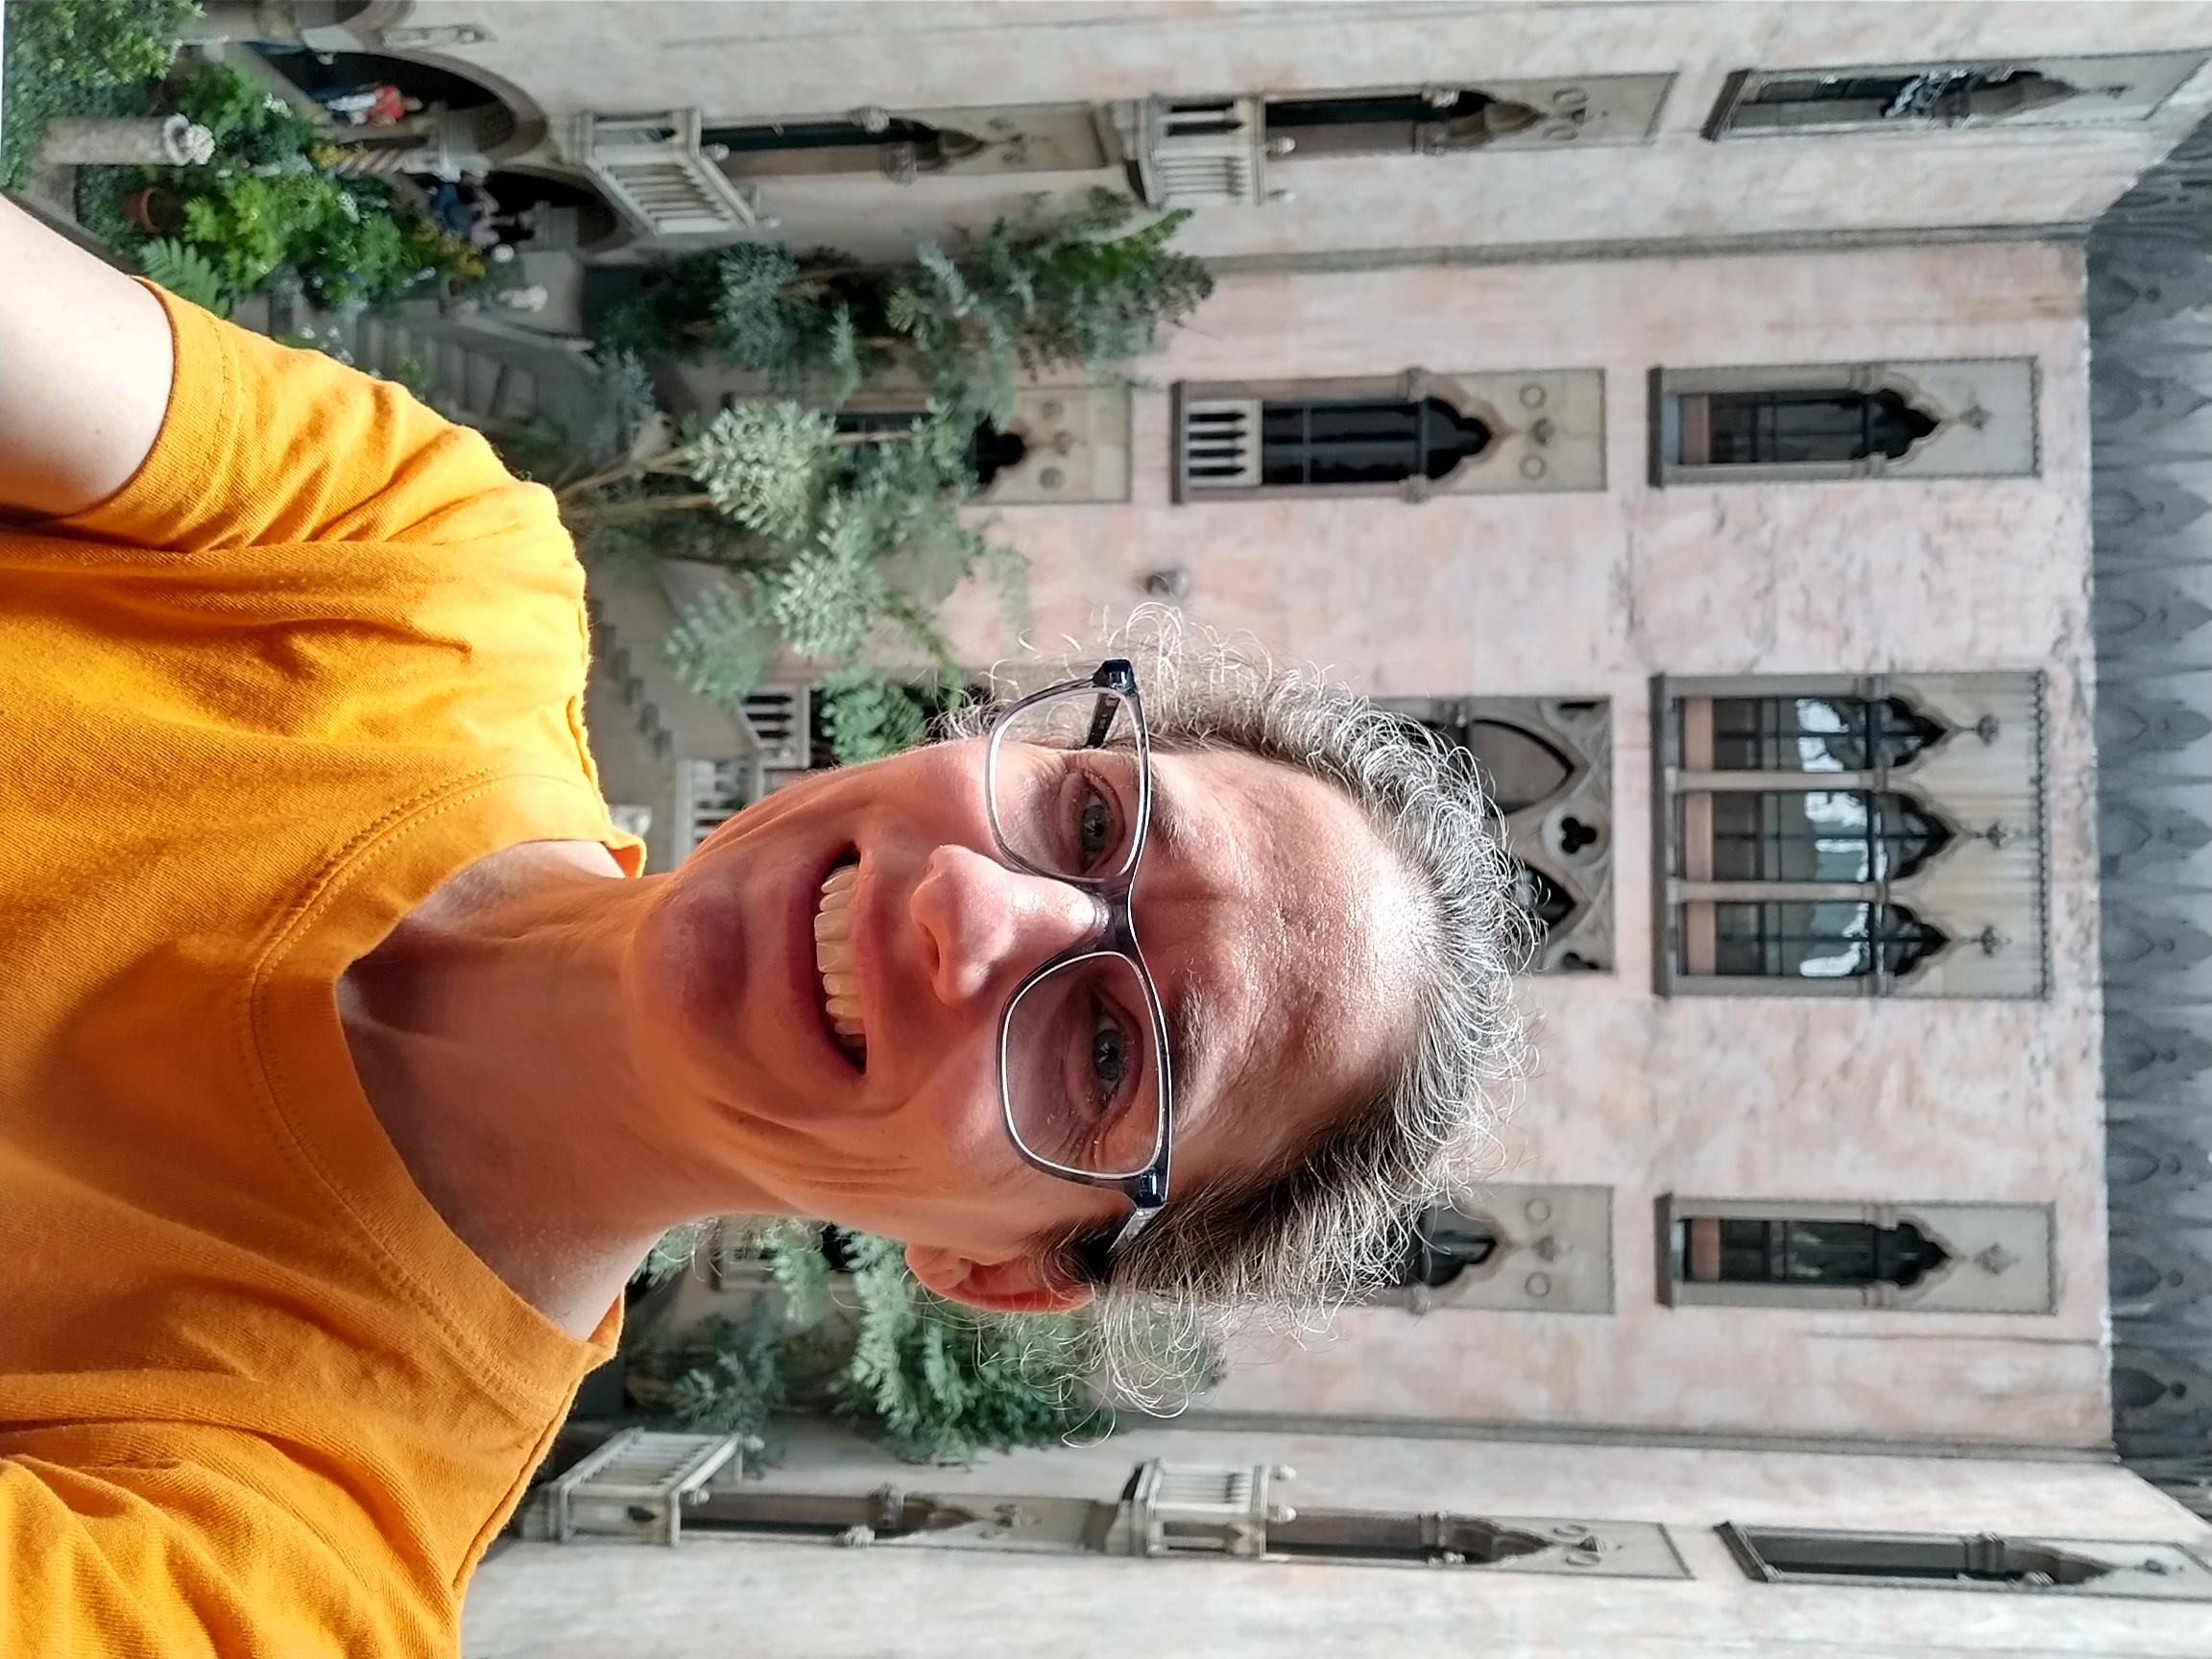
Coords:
187,272
937,1382
930,1380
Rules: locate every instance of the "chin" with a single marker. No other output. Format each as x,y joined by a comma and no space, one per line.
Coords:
726,962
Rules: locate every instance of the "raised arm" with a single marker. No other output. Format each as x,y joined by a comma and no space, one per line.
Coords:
86,361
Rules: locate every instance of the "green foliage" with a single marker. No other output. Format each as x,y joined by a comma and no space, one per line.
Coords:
720,648
871,717
770,466
79,58
794,1253
248,226
267,205
840,545
1028,294
937,1382
99,42
101,192
253,125
933,1381
740,1381
627,405
186,272
671,1254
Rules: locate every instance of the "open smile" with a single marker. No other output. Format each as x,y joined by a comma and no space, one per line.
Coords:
835,963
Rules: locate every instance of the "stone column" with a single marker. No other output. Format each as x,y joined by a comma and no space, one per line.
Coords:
144,141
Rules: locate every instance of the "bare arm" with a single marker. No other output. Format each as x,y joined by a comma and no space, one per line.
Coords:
85,359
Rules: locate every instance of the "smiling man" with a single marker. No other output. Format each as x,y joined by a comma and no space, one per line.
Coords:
352,1062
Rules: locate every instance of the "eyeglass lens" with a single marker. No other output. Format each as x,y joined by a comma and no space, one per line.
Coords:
1082,1081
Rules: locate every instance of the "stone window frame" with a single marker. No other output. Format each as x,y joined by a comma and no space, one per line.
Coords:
972,140
1579,728
1675,1289
1561,102
1670,781
1738,91
2145,1570
1512,434
1544,1232
1669,386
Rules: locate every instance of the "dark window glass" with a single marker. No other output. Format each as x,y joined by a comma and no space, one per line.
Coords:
1444,1245
814,136
1983,1560
1361,111
1817,426
1938,95
1400,123
1728,1250
1362,440
1820,835
1841,939
1816,734
989,453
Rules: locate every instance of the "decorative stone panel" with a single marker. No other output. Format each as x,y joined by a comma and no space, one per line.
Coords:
1078,442
1547,762
1541,114
1547,426
1553,1254
1998,1257
1984,412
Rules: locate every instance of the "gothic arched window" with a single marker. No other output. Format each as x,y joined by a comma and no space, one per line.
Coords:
1732,1250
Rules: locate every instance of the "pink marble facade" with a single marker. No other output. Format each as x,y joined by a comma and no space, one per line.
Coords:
1592,594
757,61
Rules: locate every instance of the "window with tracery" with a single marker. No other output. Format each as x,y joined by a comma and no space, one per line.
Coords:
1850,836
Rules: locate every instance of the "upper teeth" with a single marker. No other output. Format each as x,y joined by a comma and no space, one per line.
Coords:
834,957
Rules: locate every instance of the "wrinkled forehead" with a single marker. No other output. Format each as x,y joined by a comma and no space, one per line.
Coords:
1286,937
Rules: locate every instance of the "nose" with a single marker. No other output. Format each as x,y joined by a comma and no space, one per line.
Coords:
984,925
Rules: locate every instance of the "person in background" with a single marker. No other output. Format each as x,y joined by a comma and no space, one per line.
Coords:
379,105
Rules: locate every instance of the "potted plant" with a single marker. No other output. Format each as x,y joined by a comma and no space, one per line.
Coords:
154,210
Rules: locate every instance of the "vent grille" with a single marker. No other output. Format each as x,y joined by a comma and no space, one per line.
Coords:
1221,443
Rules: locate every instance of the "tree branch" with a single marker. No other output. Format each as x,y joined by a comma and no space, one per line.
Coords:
676,460
643,507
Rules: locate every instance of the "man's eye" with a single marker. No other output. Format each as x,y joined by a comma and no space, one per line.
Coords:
1109,1056
1098,831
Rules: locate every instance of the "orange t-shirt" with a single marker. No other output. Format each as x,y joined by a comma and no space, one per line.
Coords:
320,653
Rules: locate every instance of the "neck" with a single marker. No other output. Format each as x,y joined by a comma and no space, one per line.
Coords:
491,1034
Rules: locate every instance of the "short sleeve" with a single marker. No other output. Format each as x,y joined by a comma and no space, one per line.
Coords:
263,445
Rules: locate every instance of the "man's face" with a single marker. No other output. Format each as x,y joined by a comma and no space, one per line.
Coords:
1277,928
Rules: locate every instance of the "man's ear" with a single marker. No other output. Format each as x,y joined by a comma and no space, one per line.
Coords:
1016,1286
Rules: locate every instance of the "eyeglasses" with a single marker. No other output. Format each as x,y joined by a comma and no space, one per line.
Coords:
1083,1068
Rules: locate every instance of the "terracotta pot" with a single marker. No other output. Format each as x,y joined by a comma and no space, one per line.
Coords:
153,211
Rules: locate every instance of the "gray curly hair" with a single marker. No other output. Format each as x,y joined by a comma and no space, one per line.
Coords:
1334,1222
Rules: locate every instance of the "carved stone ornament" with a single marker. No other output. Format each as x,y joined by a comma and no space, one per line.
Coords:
1549,764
